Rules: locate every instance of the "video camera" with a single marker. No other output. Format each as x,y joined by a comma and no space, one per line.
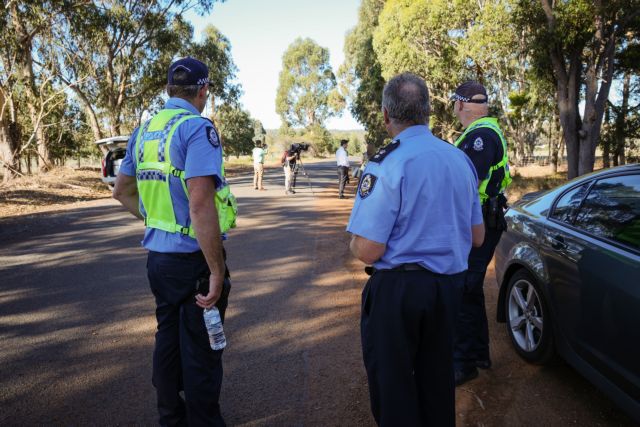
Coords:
298,147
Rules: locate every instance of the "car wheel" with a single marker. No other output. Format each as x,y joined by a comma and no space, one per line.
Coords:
528,319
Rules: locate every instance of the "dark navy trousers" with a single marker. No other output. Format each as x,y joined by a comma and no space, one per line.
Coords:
407,328
182,358
472,329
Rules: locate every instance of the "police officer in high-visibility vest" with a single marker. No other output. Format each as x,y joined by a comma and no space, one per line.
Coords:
173,178
484,142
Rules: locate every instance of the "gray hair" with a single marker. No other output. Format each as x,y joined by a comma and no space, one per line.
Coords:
182,91
406,99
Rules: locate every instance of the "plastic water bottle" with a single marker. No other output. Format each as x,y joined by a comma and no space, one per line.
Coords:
213,323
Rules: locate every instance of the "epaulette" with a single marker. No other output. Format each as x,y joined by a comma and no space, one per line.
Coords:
384,151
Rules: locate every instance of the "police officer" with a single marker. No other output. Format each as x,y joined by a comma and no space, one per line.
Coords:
173,178
415,217
484,142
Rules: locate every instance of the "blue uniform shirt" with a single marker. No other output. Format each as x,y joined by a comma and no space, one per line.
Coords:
420,201
194,149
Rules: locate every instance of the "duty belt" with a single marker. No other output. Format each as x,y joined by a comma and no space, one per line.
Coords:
370,270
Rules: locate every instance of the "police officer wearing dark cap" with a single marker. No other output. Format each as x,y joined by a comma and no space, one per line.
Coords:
484,142
415,217
173,178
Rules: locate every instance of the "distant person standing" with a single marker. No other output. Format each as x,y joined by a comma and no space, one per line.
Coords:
484,142
415,217
342,158
289,159
258,164
173,177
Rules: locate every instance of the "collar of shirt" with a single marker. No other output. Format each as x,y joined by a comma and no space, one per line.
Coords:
412,131
174,103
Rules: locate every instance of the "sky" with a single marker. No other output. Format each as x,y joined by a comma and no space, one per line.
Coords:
261,30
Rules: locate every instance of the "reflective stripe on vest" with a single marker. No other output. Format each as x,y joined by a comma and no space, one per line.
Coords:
153,167
491,123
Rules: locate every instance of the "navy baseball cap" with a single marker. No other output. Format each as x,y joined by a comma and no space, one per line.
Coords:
467,90
197,72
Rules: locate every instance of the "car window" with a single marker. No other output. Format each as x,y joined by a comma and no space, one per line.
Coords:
612,210
567,205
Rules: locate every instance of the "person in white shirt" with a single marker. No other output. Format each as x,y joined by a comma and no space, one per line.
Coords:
342,158
258,164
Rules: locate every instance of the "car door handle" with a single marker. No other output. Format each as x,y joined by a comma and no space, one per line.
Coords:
557,243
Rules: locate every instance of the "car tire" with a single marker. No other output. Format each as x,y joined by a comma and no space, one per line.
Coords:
528,319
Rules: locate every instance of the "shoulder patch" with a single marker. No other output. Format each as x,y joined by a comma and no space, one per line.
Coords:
478,144
384,151
367,183
212,136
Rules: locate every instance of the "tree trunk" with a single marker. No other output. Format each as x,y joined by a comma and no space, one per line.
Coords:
24,66
9,141
621,121
91,114
606,163
599,75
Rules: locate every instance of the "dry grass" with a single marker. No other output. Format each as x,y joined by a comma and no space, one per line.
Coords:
64,187
60,186
527,179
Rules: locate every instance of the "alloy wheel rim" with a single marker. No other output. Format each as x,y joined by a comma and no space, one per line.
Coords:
525,315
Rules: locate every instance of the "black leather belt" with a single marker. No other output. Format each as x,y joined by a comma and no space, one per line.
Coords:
402,267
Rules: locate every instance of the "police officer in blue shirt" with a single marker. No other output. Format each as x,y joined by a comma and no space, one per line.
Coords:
415,218
170,178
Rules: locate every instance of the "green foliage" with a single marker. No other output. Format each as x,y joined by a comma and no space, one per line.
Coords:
423,38
307,90
236,129
258,131
361,74
215,51
108,58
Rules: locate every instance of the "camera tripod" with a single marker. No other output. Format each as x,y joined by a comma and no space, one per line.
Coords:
300,167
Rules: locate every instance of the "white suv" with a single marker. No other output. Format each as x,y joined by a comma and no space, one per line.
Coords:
114,149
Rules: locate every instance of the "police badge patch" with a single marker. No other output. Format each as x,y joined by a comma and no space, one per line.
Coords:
478,145
212,136
366,185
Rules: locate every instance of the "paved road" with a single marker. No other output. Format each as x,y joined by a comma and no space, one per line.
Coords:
76,324
77,316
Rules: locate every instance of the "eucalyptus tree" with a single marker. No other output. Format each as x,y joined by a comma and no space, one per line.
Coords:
236,129
493,47
576,40
114,55
361,73
621,126
307,91
26,28
423,38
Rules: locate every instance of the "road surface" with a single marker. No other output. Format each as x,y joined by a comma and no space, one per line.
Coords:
77,323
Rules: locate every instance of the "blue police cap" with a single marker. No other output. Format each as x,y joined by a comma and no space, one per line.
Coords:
197,72
467,90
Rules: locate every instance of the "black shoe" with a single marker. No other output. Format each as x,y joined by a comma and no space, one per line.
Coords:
483,364
341,197
463,376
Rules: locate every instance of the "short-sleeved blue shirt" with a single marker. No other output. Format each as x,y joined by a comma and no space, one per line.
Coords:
420,201
196,150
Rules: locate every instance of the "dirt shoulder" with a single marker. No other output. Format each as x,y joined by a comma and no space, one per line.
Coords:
60,189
